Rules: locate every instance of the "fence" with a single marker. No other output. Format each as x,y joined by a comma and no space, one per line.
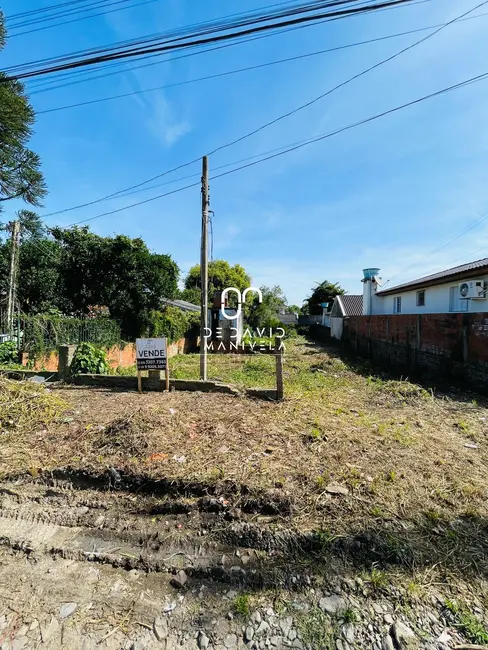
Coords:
41,334
446,347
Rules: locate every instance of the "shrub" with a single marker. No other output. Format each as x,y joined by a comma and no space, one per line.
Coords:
173,323
8,353
89,359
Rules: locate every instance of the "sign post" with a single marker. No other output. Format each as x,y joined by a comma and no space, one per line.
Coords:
151,354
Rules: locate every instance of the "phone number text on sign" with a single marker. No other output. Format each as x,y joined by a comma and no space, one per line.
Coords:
151,354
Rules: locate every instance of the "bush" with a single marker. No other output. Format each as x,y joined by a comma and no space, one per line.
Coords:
89,360
8,353
173,323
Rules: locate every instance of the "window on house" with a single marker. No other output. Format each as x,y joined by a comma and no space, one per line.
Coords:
455,302
420,298
397,305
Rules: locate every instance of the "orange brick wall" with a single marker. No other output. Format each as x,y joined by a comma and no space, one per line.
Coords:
116,356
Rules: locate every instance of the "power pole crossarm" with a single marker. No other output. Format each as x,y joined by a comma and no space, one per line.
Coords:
204,271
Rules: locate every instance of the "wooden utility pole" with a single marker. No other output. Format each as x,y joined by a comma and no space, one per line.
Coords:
204,271
12,281
279,368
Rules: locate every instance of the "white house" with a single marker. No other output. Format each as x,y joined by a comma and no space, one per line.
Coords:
460,289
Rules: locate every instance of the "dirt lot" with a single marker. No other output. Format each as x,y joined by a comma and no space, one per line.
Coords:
352,476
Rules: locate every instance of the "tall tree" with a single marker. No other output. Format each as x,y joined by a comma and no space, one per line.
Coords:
20,174
118,272
220,276
264,313
323,292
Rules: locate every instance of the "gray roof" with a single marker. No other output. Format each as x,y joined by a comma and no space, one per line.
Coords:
351,305
461,272
181,304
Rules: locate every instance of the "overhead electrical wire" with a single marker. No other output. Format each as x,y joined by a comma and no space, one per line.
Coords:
296,146
192,31
76,20
287,114
483,218
346,82
198,41
42,10
249,68
40,85
73,11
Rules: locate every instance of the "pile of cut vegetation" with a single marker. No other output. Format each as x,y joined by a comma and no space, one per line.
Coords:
26,406
134,435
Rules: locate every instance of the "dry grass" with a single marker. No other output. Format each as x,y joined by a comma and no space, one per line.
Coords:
400,451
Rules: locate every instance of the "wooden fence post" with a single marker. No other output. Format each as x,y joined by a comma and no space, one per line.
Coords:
279,368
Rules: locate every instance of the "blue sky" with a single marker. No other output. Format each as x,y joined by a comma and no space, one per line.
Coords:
385,194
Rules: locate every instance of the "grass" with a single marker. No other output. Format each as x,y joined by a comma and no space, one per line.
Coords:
468,623
396,447
317,631
242,605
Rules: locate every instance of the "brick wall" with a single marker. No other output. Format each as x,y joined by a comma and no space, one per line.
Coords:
442,347
123,356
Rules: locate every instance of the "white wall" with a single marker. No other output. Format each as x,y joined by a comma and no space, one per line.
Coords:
436,301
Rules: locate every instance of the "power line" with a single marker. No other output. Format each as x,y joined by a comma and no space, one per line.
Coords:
35,20
483,218
252,29
299,145
76,20
189,31
253,67
82,76
281,117
44,9
344,83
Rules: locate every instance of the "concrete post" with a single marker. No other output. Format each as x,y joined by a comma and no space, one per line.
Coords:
65,357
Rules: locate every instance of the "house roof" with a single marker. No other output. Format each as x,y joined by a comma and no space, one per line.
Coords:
181,304
351,305
462,272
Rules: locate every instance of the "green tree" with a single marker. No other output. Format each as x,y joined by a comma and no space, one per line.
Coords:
324,292
118,272
263,314
220,276
20,175
39,276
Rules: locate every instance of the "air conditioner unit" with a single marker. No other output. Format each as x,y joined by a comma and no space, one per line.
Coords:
474,289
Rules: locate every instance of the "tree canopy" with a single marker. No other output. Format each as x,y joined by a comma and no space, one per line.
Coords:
323,292
74,270
264,314
220,276
20,174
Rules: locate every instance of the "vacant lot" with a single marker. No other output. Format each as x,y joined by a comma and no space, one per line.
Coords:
345,454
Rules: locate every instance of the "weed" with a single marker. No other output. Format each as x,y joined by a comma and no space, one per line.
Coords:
470,625
377,578
376,511
433,516
241,605
391,476
216,474
349,615
317,631
415,589
323,539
